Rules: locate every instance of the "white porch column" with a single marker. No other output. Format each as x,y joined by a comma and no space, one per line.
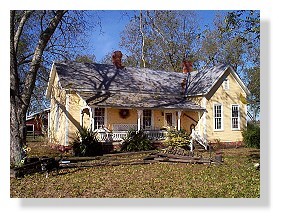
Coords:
179,120
81,117
199,122
139,119
91,118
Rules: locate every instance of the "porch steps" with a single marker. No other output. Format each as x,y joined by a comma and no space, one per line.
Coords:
197,146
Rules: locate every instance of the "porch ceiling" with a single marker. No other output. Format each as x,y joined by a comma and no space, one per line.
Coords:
138,100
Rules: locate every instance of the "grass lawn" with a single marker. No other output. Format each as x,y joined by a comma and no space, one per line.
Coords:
235,178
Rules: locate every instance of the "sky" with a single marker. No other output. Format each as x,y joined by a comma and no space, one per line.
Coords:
105,39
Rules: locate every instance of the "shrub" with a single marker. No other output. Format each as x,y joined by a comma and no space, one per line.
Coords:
86,144
217,145
136,141
251,135
177,139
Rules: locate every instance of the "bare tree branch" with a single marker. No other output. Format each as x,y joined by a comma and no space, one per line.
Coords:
18,33
143,37
35,64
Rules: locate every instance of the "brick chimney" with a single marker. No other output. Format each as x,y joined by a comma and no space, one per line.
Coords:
117,59
187,66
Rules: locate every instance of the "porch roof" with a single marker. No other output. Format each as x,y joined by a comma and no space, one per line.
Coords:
139,100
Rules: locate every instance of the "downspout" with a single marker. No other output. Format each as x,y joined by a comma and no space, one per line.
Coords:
66,120
204,105
246,112
49,126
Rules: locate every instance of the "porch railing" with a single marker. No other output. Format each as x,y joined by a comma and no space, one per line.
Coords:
196,136
121,135
104,135
124,127
156,134
127,127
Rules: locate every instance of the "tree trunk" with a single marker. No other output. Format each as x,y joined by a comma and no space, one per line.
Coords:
20,99
17,131
17,119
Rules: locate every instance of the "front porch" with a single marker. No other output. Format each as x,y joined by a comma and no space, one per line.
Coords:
113,124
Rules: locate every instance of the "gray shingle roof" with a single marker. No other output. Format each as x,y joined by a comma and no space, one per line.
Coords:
202,81
94,77
104,85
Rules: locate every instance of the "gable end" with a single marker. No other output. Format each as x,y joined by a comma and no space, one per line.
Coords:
219,82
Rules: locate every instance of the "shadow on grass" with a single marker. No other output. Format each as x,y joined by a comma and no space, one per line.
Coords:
254,155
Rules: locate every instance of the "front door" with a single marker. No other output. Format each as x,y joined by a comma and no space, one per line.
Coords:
168,119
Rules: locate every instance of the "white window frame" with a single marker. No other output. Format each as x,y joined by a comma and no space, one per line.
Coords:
238,118
222,117
104,118
151,119
174,121
226,84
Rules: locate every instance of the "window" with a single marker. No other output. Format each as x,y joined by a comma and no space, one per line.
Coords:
235,117
226,84
99,117
218,121
146,119
30,128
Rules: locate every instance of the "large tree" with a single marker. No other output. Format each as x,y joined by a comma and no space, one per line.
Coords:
247,25
234,39
253,76
36,38
160,39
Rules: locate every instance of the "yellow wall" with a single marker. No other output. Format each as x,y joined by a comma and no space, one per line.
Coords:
57,125
186,122
69,114
227,98
158,118
113,117
74,108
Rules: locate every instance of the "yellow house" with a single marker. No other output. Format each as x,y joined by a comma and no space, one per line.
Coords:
112,100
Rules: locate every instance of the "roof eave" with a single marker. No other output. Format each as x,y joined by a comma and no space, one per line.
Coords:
216,81
51,80
151,108
196,95
236,76
240,81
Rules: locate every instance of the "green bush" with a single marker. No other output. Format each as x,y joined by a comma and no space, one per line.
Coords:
86,144
176,139
251,136
136,141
